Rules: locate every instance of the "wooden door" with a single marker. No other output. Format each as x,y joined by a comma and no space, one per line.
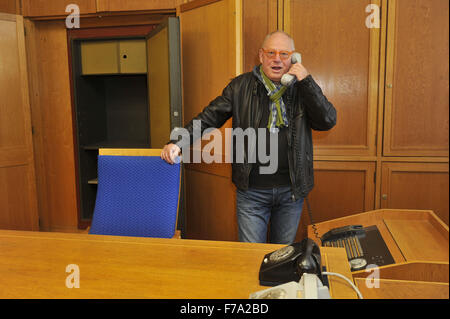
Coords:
416,186
18,200
342,55
417,82
211,57
164,81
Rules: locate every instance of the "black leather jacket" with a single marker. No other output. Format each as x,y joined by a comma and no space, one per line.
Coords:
243,99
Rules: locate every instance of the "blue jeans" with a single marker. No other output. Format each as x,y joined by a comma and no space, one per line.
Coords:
256,207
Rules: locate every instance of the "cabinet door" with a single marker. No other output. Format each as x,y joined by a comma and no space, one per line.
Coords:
164,81
417,80
18,200
340,189
416,186
342,55
211,57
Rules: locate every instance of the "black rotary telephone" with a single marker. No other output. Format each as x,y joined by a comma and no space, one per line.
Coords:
290,263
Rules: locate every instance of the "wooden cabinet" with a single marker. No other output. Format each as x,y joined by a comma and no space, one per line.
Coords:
132,56
349,61
417,81
113,57
127,5
414,152
341,188
211,56
10,6
46,8
114,102
18,197
112,110
99,57
57,8
390,88
220,40
389,85
416,186
342,55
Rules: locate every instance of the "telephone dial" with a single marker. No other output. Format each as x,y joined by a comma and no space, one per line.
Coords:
290,263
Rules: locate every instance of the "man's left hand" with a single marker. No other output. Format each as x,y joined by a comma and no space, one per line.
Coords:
299,71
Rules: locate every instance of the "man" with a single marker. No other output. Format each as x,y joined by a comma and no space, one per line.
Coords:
258,100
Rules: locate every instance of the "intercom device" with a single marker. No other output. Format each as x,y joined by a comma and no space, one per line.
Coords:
290,263
364,245
287,78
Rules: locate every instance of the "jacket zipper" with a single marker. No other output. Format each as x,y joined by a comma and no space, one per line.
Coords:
290,149
258,121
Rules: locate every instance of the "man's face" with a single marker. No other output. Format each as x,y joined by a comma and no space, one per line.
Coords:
275,67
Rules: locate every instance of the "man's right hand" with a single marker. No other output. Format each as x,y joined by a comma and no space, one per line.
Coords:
170,152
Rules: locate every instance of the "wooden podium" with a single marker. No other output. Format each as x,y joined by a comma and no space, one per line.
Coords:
418,243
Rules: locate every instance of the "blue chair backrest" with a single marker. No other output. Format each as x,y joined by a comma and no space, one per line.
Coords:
136,196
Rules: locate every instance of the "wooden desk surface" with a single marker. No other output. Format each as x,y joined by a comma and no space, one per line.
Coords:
33,265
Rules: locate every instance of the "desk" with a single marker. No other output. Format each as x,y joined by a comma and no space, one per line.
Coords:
419,243
33,265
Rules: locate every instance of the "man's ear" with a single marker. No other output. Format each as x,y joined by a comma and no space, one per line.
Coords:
261,55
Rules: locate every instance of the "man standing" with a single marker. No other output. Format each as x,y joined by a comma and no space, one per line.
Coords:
255,100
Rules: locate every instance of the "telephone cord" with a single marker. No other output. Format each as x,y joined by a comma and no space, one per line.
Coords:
346,279
313,225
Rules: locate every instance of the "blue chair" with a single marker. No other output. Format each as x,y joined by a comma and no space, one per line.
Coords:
137,195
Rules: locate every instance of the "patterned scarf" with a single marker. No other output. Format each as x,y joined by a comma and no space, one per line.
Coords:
277,116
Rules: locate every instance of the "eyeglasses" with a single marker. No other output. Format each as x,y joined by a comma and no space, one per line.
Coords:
271,53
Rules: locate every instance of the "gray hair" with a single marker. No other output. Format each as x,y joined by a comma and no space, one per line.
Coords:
280,32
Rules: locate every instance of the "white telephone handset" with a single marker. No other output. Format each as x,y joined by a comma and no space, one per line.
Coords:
287,78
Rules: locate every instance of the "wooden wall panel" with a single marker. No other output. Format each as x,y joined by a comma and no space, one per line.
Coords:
18,199
417,87
134,5
10,6
39,8
341,189
259,18
12,122
341,54
53,124
16,210
210,207
416,186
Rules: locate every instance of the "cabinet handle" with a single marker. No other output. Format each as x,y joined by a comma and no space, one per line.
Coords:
389,86
384,196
